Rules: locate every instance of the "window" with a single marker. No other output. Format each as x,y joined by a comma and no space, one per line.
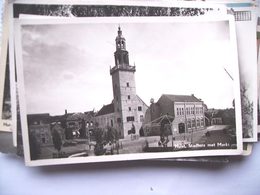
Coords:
139,108
128,97
141,118
43,140
193,123
127,84
198,122
182,111
112,123
189,124
202,122
129,108
186,111
130,118
177,111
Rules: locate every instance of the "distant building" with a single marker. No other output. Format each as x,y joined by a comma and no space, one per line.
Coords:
185,112
77,124
106,116
220,117
39,126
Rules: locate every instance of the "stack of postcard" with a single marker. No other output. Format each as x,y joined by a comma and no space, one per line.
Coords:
99,81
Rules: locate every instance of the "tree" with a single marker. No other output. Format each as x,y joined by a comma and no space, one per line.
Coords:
83,131
99,137
247,112
56,138
111,135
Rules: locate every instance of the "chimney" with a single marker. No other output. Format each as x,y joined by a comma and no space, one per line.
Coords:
66,112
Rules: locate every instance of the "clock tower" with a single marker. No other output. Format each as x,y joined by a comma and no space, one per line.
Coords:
126,102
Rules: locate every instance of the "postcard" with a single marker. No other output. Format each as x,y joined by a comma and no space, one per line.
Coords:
5,102
70,112
247,57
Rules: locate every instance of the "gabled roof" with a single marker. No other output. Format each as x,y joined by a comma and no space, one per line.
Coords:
106,109
141,100
182,98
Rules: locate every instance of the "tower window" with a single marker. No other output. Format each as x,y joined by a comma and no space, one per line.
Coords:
128,97
129,108
130,118
141,118
139,108
127,84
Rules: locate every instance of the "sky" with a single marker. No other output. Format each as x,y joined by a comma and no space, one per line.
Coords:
66,66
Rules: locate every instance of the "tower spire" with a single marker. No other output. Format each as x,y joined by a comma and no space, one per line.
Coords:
119,32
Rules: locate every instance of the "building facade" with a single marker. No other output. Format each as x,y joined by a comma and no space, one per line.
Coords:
39,127
105,117
186,112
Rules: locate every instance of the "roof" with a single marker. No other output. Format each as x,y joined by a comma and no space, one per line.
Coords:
38,117
141,100
106,109
80,116
182,98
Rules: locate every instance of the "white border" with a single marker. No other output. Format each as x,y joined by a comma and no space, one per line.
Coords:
123,157
249,149
4,45
12,75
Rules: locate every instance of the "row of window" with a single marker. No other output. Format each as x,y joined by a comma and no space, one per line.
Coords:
189,111
242,15
191,123
132,118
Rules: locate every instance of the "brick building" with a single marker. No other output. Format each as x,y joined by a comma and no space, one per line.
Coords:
185,112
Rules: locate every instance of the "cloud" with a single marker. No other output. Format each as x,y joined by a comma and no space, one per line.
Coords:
69,64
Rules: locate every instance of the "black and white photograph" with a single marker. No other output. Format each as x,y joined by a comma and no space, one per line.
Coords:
107,89
81,9
5,101
246,39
